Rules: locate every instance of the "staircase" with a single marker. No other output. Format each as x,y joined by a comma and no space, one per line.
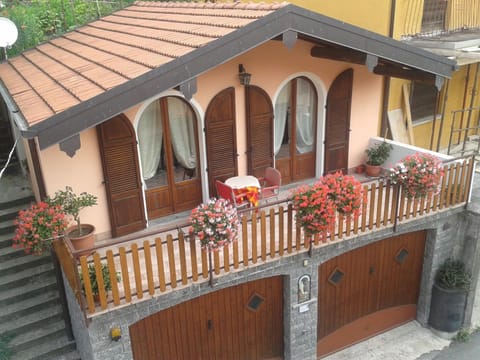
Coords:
30,307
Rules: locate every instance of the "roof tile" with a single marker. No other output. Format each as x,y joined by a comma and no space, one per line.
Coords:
99,56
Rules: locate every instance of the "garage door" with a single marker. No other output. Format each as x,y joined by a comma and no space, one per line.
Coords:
368,291
241,322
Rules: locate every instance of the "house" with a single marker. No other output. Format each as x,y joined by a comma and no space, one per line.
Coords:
147,107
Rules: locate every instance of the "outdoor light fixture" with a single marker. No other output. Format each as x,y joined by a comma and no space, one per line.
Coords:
243,75
115,333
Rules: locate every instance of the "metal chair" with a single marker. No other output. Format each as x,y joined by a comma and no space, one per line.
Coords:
270,184
226,192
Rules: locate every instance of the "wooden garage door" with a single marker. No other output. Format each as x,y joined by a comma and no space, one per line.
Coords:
219,325
369,290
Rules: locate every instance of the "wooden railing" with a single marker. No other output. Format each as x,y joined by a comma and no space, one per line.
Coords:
172,258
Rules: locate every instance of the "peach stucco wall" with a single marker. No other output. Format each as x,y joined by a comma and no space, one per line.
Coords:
272,65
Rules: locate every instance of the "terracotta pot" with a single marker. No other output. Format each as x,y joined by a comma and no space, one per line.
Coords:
360,169
373,170
86,241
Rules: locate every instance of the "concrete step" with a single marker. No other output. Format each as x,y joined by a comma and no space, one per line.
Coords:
10,213
6,240
32,321
29,305
8,253
26,276
13,266
48,350
16,294
37,336
7,227
24,201
72,355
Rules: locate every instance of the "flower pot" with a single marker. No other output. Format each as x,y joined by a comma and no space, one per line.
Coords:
373,170
85,242
447,309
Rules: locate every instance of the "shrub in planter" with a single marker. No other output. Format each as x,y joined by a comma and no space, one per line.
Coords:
376,156
81,235
93,279
449,295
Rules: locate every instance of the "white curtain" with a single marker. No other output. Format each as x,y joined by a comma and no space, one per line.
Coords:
280,116
150,137
305,116
181,123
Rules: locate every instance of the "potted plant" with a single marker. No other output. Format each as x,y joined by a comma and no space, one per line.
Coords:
215,223
80,235
376,156
314,208
38,226
419,174
449,296
92,275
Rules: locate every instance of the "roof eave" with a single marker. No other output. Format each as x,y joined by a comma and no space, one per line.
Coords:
113,102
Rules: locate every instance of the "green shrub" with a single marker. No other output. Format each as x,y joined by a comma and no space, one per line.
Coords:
453,275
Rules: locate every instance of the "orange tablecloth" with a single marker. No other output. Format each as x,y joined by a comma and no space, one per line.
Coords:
249,193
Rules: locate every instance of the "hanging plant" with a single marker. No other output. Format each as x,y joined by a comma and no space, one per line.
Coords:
215,223
419,174
345,191
315,210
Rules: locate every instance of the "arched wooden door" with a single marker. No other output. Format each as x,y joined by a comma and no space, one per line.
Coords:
337,128
221,138
123,185
369,290
259,130
237,323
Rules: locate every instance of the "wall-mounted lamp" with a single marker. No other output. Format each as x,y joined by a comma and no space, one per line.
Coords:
115,333
243,76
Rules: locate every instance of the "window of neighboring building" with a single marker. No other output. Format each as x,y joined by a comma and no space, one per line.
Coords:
433,19
423,98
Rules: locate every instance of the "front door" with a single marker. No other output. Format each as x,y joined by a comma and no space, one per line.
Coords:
337,129
295,130
167,140
221,138
369,290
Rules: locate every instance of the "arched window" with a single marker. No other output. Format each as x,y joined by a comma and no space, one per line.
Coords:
295,129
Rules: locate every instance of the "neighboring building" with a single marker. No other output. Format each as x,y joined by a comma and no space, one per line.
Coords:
147,107
446,118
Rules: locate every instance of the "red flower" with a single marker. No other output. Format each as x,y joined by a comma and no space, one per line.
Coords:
419,174
215,223
37,226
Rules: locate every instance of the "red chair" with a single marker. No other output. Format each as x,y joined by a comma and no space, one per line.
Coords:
270,184
226,192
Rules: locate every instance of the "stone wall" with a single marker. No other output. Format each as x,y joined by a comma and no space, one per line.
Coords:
453,232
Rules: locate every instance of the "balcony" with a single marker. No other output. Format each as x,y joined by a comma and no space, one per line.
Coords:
430,18
167,258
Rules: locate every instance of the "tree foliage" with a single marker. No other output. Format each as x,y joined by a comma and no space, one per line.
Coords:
39,20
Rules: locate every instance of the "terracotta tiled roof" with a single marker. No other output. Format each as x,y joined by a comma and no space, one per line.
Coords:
95,58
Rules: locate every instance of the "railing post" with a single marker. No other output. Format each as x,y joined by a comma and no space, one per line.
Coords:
210,270
396,208
62,294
